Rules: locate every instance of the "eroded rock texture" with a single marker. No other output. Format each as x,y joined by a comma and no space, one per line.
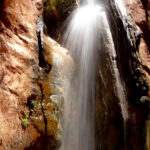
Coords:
48,107
31,79
140,12
18,70
131,133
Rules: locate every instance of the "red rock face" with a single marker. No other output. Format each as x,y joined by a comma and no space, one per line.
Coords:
140,12
18,68
146,4
136,7
23,78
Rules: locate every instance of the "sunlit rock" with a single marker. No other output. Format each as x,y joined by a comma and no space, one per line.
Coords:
18,70
22,81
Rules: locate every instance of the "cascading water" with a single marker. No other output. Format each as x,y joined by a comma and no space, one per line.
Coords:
87,26
82,39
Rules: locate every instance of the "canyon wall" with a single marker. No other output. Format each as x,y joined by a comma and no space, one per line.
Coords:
31,78
139,11
18,70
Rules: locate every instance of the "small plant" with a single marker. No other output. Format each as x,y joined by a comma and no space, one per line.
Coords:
32,102
148,19
31,110
26,113
25,122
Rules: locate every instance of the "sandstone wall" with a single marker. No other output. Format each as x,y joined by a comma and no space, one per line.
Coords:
140,13
31,66
18,69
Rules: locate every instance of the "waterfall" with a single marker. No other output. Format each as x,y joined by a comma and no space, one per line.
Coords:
81,38
87,25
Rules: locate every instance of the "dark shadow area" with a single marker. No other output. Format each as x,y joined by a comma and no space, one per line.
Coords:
133,77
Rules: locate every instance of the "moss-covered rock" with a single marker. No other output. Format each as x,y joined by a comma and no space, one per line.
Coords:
54,8
46,113
55,13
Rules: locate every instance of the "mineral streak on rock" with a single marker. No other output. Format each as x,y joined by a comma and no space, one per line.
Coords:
49,102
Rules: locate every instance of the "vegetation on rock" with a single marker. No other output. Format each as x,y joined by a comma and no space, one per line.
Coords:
24,120
55,8
46,105
148,22
55,13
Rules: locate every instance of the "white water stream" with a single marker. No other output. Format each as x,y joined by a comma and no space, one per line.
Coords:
82,38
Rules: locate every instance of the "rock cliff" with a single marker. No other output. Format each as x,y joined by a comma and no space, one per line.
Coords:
31,78
140,13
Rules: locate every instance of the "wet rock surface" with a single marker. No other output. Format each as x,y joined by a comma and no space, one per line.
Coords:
109,120
48,107
140,12
55,15
127,41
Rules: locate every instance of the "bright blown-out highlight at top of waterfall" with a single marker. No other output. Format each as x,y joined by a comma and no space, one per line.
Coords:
87,26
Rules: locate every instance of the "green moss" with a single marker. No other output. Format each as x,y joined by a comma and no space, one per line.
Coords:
31,110
32,102
26,113
148,18
25,122
55,8
148,21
